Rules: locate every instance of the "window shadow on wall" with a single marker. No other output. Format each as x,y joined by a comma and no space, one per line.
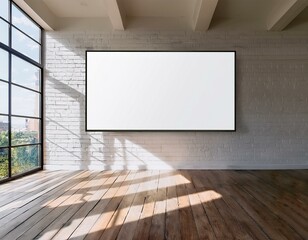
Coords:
123,150
70,131
120,150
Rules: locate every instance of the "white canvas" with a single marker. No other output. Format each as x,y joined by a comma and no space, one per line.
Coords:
176,91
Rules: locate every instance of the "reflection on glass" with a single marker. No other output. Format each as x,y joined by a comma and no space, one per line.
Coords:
25,74
4,65
4,163
4,30
24,159
25,45
4,97
25,102
24,131
4,9
21,21
4,128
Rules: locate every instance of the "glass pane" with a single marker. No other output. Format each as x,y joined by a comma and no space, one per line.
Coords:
25,102
4,32
25,45
25,74
4,65
4,128
4,163
25,159
4,97
24,131
21,21
4,9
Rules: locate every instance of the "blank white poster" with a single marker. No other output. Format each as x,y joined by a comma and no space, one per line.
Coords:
163,91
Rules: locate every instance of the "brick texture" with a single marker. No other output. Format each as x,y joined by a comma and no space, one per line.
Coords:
271,105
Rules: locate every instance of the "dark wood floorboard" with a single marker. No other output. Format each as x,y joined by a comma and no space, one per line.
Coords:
182,204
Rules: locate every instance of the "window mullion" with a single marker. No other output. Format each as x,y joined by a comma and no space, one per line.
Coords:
10,94
21,31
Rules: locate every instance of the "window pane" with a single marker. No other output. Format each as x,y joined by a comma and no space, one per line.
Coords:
21,21
25,102
25,131
4,9
4,127
25,45
4,32
4,65
4,163
25,74
25,159
4,97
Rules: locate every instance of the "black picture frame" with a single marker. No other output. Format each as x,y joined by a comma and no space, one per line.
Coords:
155,130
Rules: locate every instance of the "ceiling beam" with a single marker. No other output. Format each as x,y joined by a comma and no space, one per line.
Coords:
285,14
39,12
116,14
203,14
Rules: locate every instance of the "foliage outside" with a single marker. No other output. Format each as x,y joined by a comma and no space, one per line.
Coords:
23,158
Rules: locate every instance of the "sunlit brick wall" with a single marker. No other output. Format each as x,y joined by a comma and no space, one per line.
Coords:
271,105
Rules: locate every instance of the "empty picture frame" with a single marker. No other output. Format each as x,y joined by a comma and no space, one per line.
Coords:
160,91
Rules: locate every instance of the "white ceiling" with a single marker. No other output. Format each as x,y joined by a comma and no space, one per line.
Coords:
134,8
244,9
159,8
77,8
256,12
240,9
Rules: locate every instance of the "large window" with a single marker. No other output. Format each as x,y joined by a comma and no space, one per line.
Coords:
20,93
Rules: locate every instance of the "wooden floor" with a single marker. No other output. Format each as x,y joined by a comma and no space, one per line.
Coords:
156,205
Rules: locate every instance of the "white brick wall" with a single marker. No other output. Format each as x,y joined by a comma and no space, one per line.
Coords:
272,105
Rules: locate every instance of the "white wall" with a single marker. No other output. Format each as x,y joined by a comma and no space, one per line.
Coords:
272,104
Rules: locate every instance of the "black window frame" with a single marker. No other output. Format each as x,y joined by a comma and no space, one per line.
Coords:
9,49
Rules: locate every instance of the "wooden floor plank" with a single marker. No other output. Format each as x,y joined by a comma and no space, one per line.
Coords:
87,224
13,197
299,202
283,180
28,184
20,216
67,221
32,206
198,204
23,182
120,214
300,175
293,220
207,197
188,227
73,216
128,227
277,228
157,230
275,203
285,194
172,210
144,223
60,203
204,228
102,222
221,182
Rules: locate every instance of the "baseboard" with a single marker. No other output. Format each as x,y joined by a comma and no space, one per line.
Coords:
177,167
